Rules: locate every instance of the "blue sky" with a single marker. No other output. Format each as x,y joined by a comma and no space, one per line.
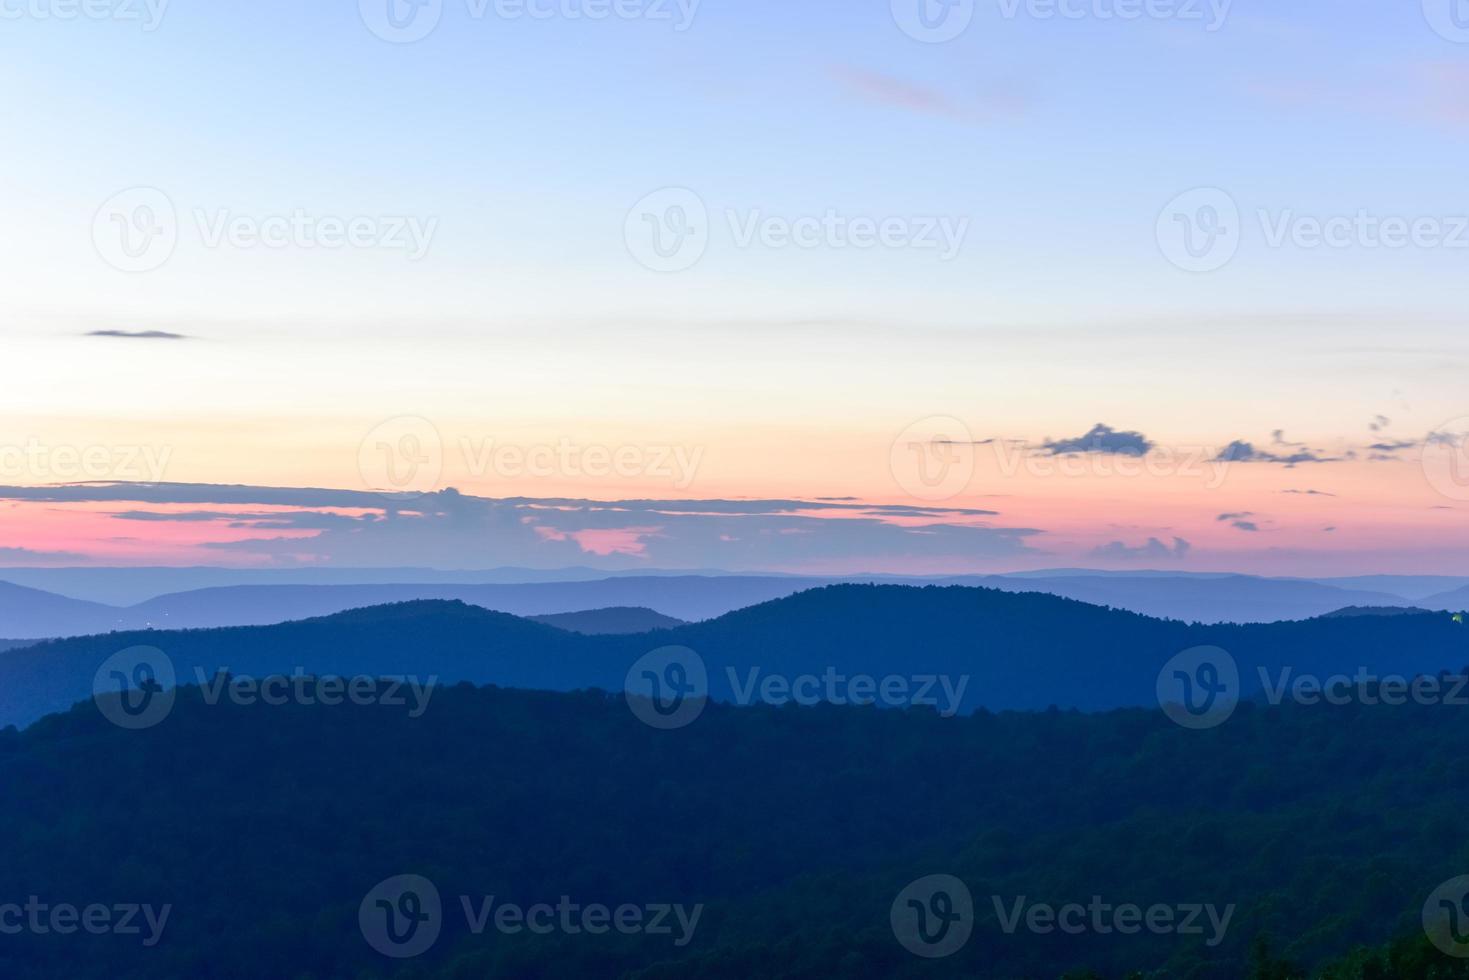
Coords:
1060,140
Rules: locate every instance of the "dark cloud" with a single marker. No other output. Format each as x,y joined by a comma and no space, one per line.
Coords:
1240,451
1277,438
1239,520
198,493
1379,422
900,511
767,506
181,516
1311,493
1233,517
1101,439
139,334
1153,548
282,520
1392,447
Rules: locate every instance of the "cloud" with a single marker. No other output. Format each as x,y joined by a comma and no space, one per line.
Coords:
278,520
1277,438
612,541
11,556
1311,493
180,516
1101,439
1153,548
452,529
197,493
1240,451
896,93
1429,93
1379,422
1238,520
138,334
1392,447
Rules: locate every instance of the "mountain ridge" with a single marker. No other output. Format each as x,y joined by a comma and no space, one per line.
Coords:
1013,651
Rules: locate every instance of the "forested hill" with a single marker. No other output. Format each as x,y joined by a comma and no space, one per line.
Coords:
1013,650
794,828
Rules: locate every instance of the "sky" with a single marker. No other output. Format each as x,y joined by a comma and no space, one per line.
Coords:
895,285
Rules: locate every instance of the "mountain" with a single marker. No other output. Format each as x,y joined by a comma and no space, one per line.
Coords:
1412,587
27,613
1199,598
455,641
683,597
1454,600
129,586
617,619
30,614
976,647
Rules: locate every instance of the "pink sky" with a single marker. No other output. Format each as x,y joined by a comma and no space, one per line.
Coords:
1349,516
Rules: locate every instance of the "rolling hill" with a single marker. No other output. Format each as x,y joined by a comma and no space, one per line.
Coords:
1009,650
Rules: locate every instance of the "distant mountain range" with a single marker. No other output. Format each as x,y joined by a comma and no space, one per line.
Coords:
129,586
1201,599
29,613
1011,650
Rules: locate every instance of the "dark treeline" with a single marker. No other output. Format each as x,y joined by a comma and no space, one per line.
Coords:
265,826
